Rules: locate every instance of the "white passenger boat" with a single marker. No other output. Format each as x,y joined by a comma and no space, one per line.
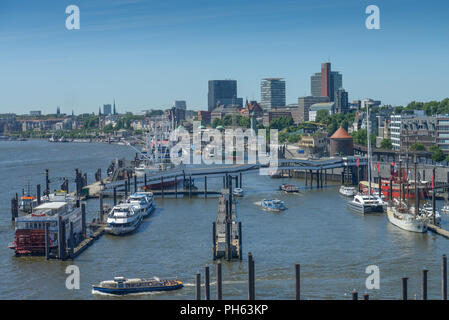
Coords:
238,192
445,209
405,218
275,205
427,212
348,191
122,219
143,203
366,204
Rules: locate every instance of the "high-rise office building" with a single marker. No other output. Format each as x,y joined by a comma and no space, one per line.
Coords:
327,85
223,92
272,93
341,101
107,109
180,104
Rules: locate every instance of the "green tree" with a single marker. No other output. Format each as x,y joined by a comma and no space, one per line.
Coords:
322,116
417,147
386,144
438,155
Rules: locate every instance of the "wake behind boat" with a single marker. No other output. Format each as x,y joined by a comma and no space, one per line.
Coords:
122,286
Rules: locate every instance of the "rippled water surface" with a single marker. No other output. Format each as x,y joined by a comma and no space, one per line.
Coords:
332,244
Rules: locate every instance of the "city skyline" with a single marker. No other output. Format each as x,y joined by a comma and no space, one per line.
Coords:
158,53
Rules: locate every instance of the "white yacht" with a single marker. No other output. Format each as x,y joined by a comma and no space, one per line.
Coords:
238,192
445,209
427,212
123,219
363,203
143,203
405,219
348,191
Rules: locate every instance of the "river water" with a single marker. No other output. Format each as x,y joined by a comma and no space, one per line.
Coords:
333,245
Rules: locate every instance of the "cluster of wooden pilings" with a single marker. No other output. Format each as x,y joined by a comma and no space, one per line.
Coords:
297,273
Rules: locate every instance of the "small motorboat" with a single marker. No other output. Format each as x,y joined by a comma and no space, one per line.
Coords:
348,191
275,205
275,174
445,209
238,192
427,212
122,286
288,188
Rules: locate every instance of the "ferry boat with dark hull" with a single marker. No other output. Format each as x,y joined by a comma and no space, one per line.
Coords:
123,286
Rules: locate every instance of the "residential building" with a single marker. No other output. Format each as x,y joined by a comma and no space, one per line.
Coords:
204,116
275,114
272,93
407,130
442,133
304,104
329,106
36,113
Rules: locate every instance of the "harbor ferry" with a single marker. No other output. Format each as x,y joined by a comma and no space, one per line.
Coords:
366,204
275,205
122,219
143,203
289,188
29,236
122,286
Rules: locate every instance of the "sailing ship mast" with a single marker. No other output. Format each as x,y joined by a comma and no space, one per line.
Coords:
369,149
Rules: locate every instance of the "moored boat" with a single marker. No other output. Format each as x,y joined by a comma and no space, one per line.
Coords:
238,192
122,286
348,191
445,209
143,202
403,218
365,204
289,188
122,219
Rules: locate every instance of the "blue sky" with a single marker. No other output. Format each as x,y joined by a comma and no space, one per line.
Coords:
146,54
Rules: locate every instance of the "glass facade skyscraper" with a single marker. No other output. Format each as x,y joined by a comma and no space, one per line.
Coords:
272,92
223,91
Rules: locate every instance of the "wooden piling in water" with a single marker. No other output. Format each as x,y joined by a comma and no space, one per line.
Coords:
83,219
14,209
71,240
145,179
135,183
198,286
365,296
176,187
47,243
404,288
205,186
444,277
126,189
240,240
214,237
219,282
355,295
190,187
47,182
162,186
206,283
115,196
100,214
241,182
424,284
297,281
251,286
38,194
